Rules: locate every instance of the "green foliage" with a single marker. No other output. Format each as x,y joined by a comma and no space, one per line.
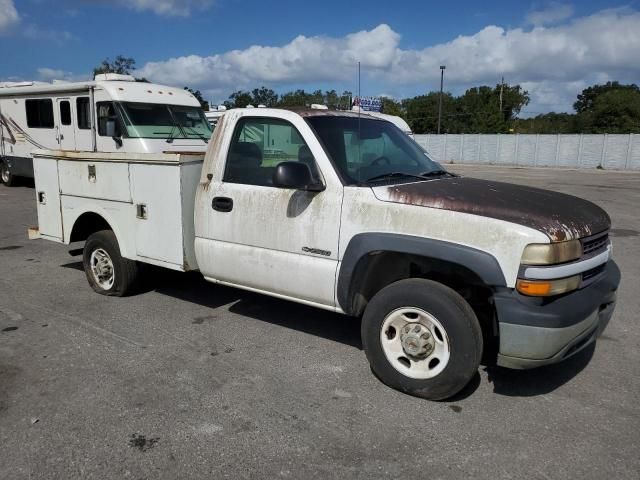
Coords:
586,99
608,108
475,111
547,123
392,107
264,96
196,93
613,108
122,65
239,99
297,98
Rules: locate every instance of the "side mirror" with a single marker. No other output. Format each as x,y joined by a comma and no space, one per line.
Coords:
111,128
295,175
113,131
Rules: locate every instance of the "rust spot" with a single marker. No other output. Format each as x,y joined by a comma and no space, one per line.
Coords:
561,217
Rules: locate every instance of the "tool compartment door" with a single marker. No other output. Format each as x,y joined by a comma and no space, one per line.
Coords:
48,198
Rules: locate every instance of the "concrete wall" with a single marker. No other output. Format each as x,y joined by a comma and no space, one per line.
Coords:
611,152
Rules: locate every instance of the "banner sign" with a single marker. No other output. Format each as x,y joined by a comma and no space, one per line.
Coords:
368,104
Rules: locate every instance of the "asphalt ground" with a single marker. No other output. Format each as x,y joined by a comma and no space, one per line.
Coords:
192,380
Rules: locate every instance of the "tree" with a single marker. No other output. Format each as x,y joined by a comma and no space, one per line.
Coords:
392,107
239,99
196,93
297,98
614,111
264,96
122,65
586,99
422,112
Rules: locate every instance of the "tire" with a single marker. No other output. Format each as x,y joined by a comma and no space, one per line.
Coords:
101,256
400,317
5,174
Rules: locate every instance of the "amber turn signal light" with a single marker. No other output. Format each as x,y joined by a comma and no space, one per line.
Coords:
547,288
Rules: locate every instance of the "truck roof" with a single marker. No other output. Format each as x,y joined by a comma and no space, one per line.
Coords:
118,90
316,112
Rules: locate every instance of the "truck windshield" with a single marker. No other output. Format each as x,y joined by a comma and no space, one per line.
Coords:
147,120
367,150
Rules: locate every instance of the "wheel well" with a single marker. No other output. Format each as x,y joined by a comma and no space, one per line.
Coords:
87,224
379,269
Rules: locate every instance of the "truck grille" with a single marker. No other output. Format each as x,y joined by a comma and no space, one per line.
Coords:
594,272
595,245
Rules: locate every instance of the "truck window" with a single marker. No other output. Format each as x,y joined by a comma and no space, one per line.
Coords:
366,148
259,145
39,113
83,108
65,112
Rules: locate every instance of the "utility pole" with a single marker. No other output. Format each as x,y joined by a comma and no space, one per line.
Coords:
501,91
442,68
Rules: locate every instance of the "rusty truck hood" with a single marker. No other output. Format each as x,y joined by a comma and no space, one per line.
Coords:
559,216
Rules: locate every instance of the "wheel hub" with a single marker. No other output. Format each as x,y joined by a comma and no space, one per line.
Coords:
416,340
102,268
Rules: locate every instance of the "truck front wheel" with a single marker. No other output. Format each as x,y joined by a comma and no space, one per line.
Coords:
422,338
107,271
5,174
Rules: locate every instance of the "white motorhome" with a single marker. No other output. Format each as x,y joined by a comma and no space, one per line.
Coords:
113,113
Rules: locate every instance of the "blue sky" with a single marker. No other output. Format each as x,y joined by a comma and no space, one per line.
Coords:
553,48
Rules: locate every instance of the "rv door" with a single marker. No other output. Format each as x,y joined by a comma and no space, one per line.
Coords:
65,131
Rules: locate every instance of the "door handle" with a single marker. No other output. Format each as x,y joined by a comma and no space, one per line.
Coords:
222,204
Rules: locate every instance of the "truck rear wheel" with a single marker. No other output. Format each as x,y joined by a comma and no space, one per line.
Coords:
107,271
5,174
422,338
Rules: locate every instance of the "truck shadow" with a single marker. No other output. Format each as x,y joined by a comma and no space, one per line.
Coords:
191,287
539,381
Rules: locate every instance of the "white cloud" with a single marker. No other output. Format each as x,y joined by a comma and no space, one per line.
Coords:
50,73
560,59
8,16
35,32
175,8
304,59
553,13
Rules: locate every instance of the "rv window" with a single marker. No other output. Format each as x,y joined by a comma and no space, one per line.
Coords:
65,112
84,113
39,113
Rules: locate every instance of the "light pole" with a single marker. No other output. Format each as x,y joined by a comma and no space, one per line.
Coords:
442,68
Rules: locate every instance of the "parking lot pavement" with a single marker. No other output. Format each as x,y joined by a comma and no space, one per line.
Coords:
192,380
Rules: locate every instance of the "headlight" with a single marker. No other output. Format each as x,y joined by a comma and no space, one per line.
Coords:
547,288
551,253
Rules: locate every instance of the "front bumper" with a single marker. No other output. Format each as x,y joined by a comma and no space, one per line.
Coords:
536,332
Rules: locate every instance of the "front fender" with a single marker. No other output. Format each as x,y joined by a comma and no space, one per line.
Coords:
351,278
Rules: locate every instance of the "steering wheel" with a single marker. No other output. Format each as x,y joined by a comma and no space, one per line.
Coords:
379,161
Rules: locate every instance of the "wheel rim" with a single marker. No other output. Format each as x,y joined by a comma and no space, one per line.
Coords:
102,268
5,173
415,343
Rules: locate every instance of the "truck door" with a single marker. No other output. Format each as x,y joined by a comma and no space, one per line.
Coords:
65,131
257,236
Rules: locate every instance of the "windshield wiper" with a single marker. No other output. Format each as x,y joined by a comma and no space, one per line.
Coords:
437,173
395,175
199,135
170,139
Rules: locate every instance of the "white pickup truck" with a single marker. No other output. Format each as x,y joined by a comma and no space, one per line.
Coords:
345,212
